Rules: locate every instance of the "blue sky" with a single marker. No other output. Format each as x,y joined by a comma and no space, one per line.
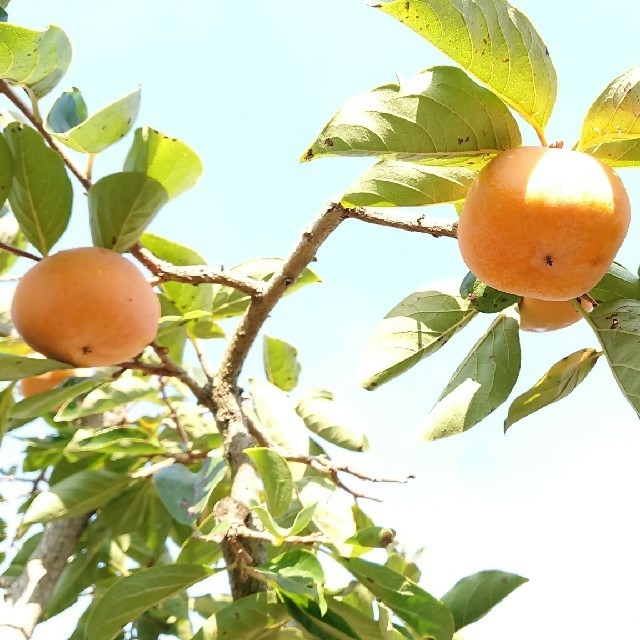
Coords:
248,86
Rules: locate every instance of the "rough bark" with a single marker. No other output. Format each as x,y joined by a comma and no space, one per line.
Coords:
27,596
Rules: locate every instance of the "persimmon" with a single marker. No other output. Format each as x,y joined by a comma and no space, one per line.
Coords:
549,315
86,306
543,223
44,382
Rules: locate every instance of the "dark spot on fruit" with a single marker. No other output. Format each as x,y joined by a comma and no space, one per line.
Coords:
548,261
86,349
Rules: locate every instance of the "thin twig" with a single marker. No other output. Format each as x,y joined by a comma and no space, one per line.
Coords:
195,274
421,224
320,463
18,252
50,140
173,415
241,531
202,359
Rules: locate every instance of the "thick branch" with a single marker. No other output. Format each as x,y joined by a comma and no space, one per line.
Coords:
261,306
198,274
28,595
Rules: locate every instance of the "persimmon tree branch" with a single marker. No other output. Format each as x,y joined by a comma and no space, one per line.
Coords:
419,224
29,114
165,271
27,596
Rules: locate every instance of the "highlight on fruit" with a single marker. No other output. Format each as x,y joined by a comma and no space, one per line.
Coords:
87,306
543,222
549,315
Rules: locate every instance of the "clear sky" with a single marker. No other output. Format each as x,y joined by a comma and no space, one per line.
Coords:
249,86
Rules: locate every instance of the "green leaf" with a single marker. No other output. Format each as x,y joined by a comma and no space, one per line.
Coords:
482,382
492,40
280,362
79,573
67,112
484,298
185,493
300,523
333,514
321,625
392,183
617,283
360,618
276,479
17,367
429,617
373,537
561,379
6,404
103,128
248,618
34,59
196,550
474,596
278,417
121,206
170,161
617,325
10,233
297,574
78,493
328,419
229,302
6,177
613,116
130,596
440,112
185,297
622,153
414,329
41,193
124,441
121,391
51,400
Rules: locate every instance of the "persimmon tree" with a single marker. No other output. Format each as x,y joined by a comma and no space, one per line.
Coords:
162,471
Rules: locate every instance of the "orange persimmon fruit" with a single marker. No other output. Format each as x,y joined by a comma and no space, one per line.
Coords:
44,382
86,306
549,315
543,222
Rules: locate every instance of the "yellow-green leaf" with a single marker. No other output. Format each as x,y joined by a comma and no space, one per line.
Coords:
614,116
482,382
561,379
439,113
392,183
495,42
414,329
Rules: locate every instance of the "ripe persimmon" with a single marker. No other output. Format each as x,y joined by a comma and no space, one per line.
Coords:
44,382
87,306
543,223
549,315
